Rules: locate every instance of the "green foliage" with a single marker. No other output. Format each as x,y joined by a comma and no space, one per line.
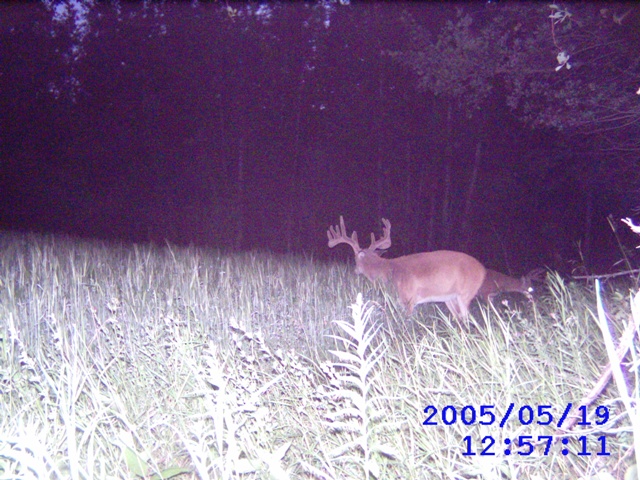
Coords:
560,68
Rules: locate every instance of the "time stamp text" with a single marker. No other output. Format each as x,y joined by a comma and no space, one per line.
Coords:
524,445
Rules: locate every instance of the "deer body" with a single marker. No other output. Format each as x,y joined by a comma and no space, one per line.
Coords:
440,276
496,283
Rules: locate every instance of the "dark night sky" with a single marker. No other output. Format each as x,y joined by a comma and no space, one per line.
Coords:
238,129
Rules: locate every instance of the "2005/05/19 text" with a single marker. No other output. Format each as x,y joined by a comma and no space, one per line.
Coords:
526,415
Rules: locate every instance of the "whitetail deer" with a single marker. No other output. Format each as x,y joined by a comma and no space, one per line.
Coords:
441,276
496,283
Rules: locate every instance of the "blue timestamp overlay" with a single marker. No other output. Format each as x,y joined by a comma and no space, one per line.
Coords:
524,445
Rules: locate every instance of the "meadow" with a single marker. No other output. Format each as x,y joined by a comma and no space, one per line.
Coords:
156,361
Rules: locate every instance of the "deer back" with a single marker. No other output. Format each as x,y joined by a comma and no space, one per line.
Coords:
440,276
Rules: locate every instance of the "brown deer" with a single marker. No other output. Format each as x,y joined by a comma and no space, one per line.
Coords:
441,276
496,283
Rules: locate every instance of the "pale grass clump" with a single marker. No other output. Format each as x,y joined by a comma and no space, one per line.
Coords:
357,404
128,361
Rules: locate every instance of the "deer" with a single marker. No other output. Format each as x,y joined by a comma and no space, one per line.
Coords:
439,276
496,283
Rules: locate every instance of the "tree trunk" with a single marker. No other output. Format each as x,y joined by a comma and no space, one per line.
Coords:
446,195
240,200
381,169
464,230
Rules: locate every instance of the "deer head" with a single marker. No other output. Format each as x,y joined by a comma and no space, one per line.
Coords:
441,276
496,283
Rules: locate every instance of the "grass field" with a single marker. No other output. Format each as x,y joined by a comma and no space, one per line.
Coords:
129,361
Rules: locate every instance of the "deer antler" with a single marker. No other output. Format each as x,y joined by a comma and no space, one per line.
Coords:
385,241
338,235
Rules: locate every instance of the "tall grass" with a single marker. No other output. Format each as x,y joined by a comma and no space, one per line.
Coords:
124,361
